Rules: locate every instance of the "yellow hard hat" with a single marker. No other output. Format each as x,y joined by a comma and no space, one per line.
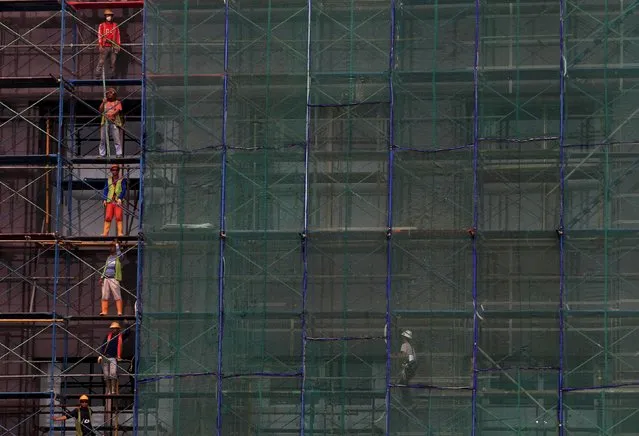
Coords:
84,398
108,12
114,325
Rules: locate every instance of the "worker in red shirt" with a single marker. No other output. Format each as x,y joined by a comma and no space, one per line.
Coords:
108,41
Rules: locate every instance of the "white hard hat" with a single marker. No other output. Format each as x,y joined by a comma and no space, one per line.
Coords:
407,334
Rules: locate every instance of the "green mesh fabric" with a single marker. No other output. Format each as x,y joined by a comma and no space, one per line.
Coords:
503,195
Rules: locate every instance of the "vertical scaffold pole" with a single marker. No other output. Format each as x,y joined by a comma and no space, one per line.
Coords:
389,214
304,241
562,230
474,421
140,266
222,242
58,213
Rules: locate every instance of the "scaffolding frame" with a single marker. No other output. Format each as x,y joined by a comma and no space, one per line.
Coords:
56,261
487,142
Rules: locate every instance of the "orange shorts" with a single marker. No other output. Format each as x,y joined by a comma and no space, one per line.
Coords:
113,209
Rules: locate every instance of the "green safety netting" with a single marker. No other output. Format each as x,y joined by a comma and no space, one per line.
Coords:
322,175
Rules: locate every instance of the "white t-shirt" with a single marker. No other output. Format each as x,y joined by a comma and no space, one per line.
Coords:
408,349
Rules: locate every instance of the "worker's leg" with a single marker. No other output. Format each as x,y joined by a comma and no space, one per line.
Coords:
407,394
114,57
113,374
105,374
118,220
105,297
402,379
116,134
101,57
103,139
114,287
108,217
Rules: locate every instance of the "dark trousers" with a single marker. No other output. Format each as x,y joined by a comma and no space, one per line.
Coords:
104,53
408,372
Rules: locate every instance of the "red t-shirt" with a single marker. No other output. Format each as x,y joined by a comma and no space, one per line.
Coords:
108,34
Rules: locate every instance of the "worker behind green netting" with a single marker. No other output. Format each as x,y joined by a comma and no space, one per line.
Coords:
408,358
82,416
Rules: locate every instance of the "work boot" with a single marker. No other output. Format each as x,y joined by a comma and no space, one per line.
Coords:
119,304
105,308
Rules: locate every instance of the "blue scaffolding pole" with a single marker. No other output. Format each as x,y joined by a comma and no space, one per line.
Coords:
58,215
140,265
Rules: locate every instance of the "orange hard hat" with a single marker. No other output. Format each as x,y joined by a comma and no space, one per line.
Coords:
108,12
114,325
84,398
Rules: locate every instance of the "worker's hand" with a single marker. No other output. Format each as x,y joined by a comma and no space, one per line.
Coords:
119,201
116,50
104,203
99,359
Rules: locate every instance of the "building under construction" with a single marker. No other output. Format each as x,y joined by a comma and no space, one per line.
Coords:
306,180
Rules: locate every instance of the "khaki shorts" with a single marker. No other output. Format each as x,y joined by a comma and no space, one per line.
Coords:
111,286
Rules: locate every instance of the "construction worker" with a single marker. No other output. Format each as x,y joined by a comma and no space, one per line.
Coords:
112,123
408,357
110,280
112,195
108,42
82,416
111,353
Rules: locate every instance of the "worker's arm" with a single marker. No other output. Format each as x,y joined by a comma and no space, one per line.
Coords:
101,35
121,196
102,348
64,417
104,270
105,191
116,39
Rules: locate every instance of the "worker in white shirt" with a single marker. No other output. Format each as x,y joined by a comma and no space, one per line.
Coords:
409,365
